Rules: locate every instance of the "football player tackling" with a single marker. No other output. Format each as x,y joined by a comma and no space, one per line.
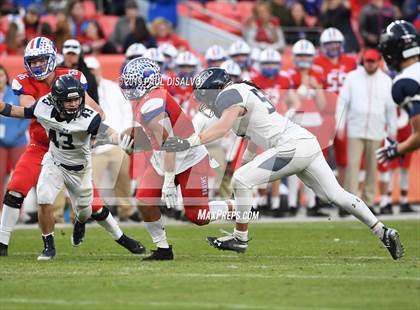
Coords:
289,149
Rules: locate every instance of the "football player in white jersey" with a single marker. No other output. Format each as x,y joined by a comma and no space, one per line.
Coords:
70,125
288,149
400,47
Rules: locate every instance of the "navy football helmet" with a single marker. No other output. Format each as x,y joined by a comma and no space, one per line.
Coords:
399,41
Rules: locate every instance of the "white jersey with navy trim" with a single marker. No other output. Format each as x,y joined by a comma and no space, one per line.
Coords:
261,123
406,89
69,141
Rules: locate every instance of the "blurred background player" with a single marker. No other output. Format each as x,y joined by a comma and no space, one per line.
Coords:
240,52
157,56
307,80
215,55
335,65
170,52
133,51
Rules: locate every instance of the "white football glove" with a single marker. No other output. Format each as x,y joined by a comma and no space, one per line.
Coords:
169,191
126,144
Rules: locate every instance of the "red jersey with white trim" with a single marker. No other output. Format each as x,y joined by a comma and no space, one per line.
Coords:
150,106
335,73
309,115
274,88
24,84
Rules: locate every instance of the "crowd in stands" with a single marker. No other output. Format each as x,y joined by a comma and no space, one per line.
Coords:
76,27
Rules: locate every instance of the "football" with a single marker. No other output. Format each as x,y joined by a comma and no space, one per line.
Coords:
141,140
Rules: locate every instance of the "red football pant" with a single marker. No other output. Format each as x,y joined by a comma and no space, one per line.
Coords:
194,188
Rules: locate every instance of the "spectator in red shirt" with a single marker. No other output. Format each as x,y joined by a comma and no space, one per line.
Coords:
163,32
263,29
31,20
15,39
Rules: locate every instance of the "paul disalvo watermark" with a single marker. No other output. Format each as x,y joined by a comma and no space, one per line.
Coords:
205,215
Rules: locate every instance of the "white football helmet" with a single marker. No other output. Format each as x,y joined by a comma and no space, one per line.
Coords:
231,67
186,59
168,50
239,48
328,37
270,55
135,50
303,54
215,53
40,48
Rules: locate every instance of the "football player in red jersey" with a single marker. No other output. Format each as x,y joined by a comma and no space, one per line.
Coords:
336,65
40,64
157,112
308,81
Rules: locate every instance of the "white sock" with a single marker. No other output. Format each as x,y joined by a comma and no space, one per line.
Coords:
262,200
403,199
275,203
293,185
9,218
241,235
384,201
111,226
218,209
157,232
243,199
403,179
378,229
310,197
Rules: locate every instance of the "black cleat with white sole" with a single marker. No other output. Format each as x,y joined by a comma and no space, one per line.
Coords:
132,245
160,254
78,233
49,248
3,249
229,243
391,240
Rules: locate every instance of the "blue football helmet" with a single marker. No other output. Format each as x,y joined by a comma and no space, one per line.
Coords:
138,77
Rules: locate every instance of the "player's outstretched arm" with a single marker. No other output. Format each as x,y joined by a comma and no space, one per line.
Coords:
15,111
218,130
413,142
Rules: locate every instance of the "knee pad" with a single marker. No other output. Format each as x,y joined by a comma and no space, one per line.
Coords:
192,215
101,216
13,199
84,213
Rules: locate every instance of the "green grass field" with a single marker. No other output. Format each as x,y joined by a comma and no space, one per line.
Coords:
296,266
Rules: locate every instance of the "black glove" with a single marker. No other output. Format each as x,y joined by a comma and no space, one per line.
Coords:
387,152
175,144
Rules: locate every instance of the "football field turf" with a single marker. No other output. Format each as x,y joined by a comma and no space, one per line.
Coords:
296,266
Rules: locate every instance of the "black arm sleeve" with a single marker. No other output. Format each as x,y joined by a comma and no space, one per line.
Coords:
94,126
30,112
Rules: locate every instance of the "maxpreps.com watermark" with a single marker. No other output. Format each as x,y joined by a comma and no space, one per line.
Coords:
205,215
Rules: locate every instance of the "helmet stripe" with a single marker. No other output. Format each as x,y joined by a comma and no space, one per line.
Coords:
38,43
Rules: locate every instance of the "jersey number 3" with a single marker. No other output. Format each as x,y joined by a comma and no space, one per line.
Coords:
63,141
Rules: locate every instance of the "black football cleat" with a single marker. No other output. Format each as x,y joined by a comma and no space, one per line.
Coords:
229,243
49,248
3,249
160,254
78,233
387,210
132,245
391,240
406,208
